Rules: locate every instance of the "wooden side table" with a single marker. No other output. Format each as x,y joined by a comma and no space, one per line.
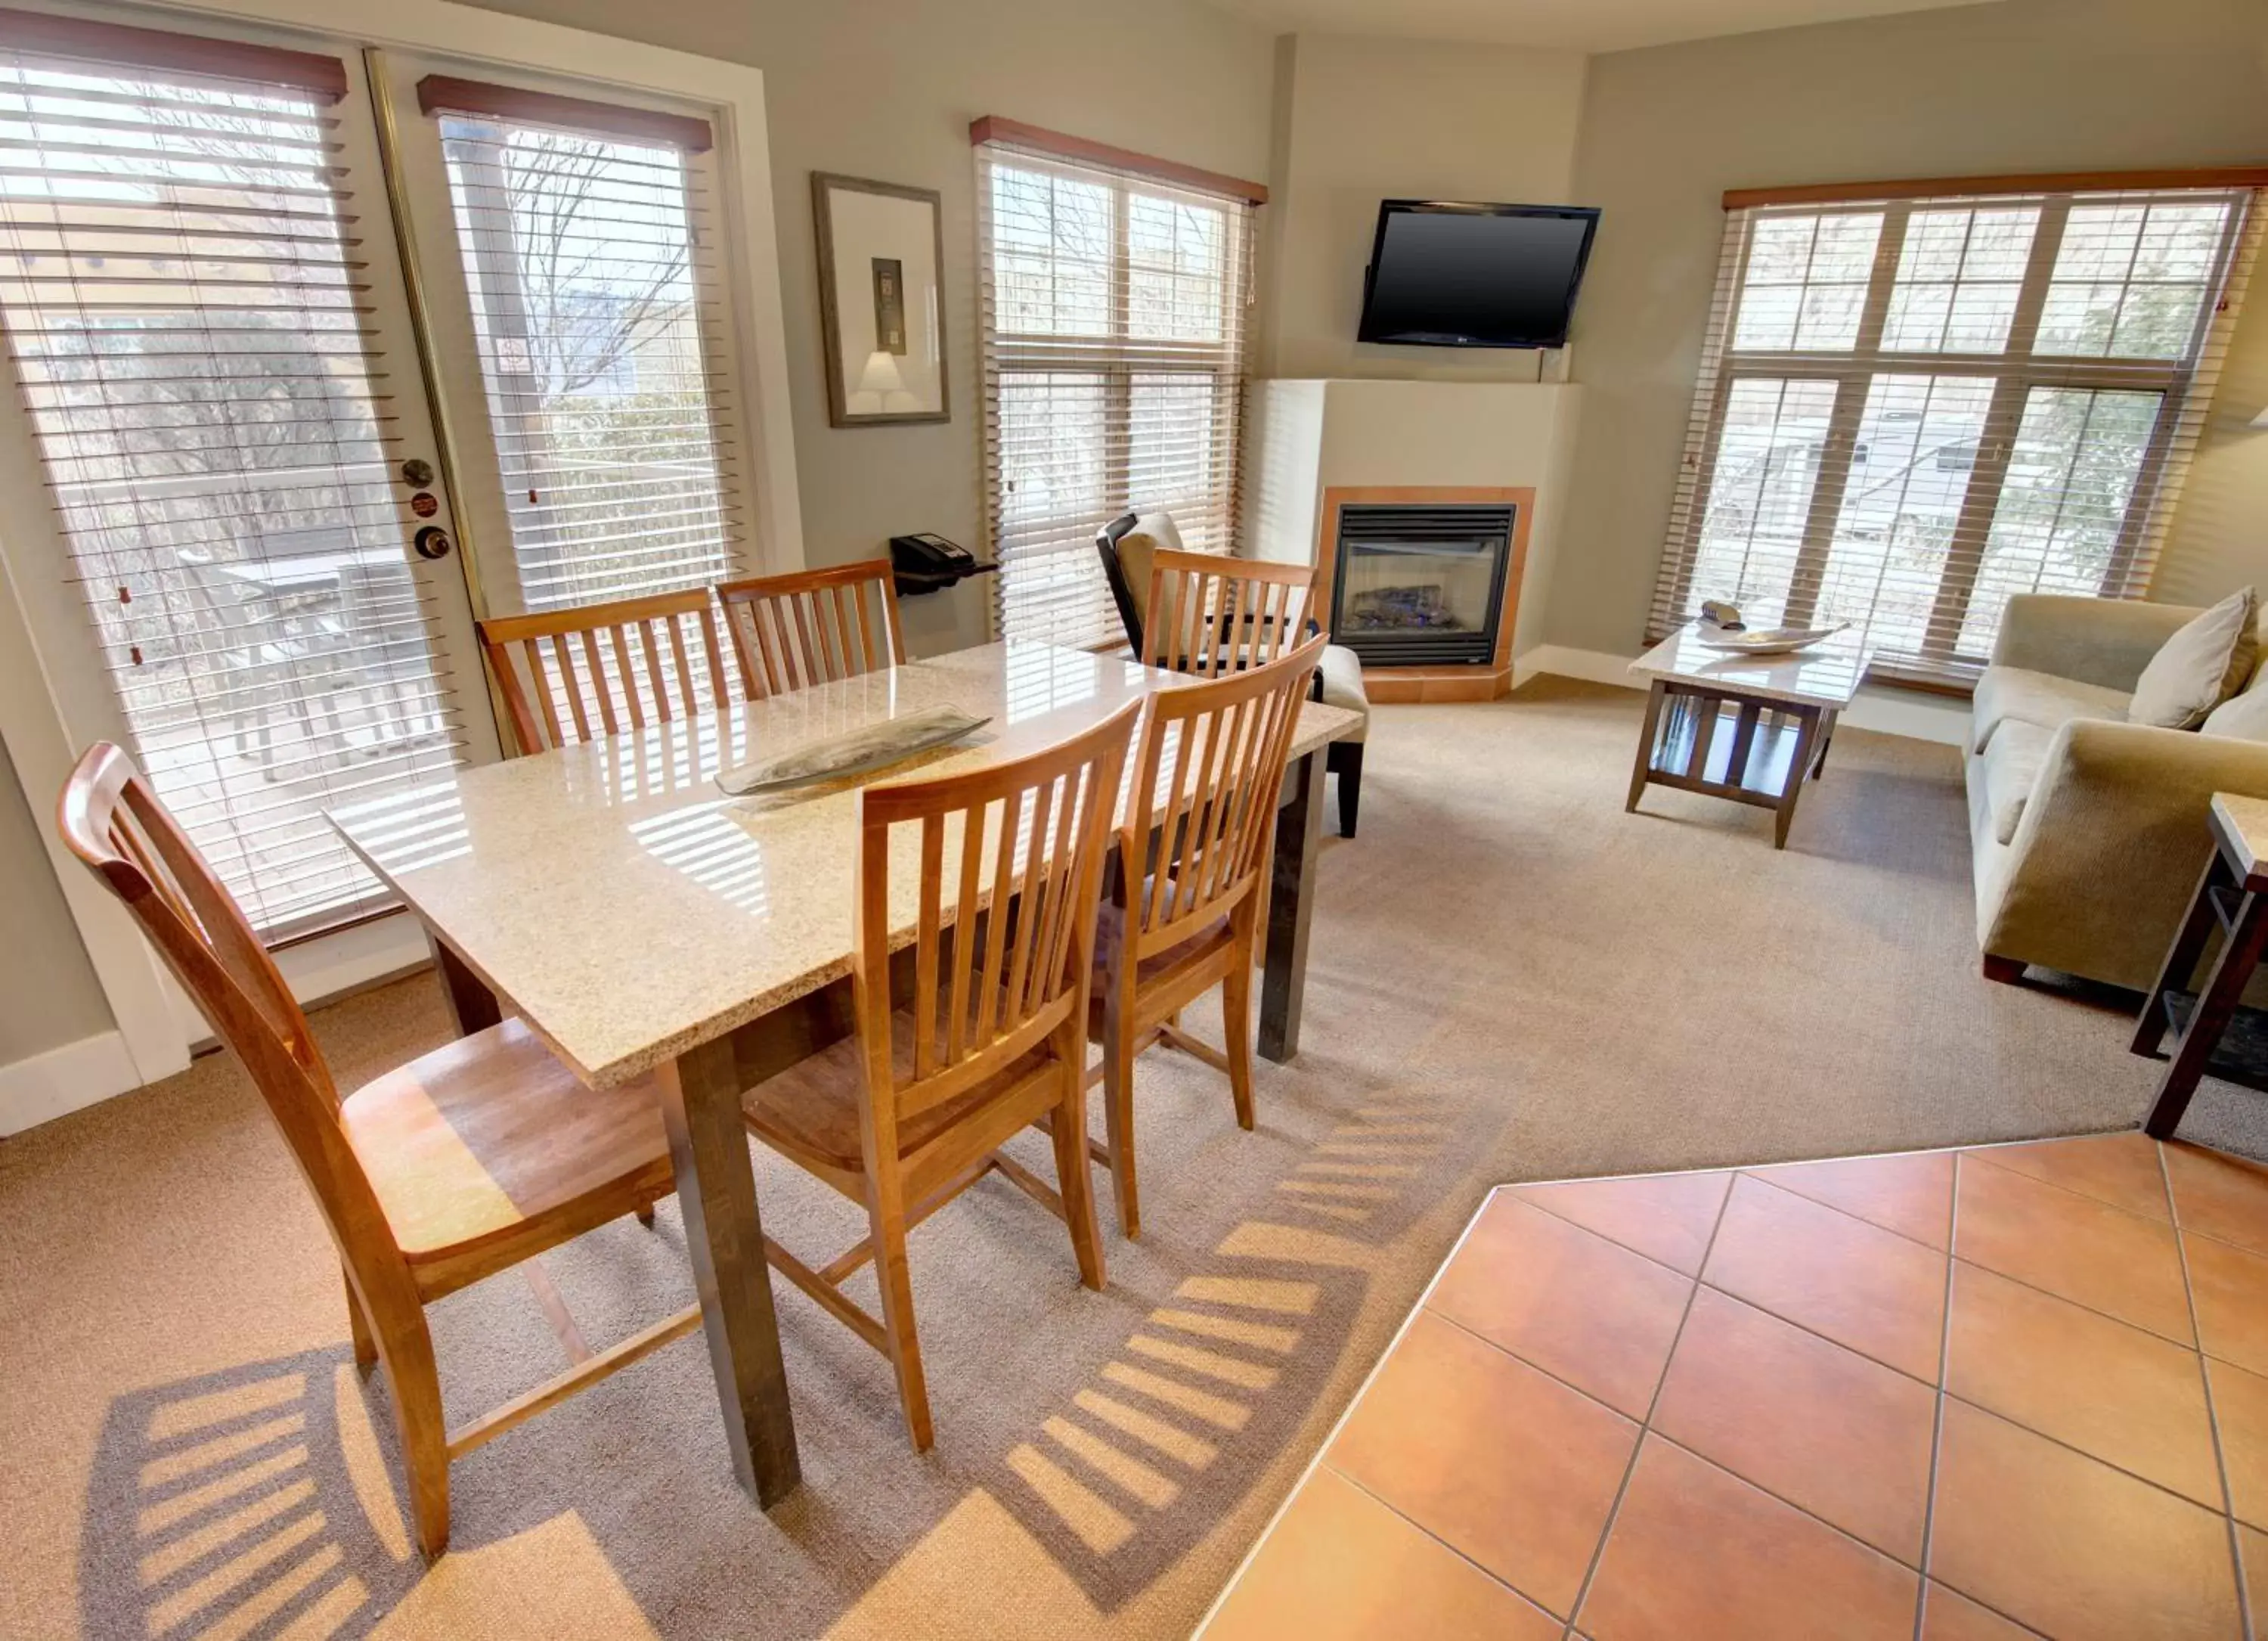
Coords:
2212,1033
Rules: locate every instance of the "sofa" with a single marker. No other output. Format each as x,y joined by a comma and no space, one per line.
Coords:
2088,832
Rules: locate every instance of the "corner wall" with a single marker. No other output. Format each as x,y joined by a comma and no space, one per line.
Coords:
1362,120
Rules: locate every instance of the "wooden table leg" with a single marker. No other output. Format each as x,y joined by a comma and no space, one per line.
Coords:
1299,831
471,1003
1644,766
1744,740
2231,969
1826,740
1807,733
717,1190
2180,967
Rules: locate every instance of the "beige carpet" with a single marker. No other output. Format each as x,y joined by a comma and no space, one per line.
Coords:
1511,979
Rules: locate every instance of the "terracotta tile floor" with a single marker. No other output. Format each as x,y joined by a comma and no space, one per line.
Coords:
1955,1396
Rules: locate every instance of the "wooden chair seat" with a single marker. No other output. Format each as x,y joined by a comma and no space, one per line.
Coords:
1163,980
810,1110
489,1148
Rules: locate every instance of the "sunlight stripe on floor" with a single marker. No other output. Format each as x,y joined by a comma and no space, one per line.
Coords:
1258,1333
1229,1416
1170,1440
1130,1472
1229,1369
1339,1188
272,1599
179,1606
158,1517
1254,1293
168,1559
194,1413
1100,1527
173,1467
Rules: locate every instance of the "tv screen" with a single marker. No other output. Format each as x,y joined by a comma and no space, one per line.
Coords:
1458,276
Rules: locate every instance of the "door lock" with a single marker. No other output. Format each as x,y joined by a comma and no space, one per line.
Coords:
432,541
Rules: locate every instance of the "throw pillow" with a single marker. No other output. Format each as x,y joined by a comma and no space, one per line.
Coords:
2242,717
2198,669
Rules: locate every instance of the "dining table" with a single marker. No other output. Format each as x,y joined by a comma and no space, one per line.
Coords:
644,923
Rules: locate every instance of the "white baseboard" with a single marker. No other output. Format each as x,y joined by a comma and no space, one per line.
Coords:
1885,711
64,1079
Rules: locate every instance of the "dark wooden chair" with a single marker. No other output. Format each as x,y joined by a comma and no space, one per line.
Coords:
1126,571
467,1161
791,632
1206,773
612,667
912,1108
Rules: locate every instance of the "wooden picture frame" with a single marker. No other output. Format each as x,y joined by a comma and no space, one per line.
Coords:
881,301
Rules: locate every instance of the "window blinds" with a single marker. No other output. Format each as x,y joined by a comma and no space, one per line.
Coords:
600,334
193,341
1113,306
1910,410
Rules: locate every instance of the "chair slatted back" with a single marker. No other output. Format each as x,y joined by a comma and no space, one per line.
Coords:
112,821
1005,940
1206,775
791,632
569,674
1209,614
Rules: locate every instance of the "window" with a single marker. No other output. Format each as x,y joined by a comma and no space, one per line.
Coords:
1113,306
601,343
1911,410
204,379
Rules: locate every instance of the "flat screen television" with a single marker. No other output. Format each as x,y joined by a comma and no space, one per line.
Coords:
1446,275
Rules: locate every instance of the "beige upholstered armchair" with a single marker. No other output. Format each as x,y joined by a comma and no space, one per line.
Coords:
2088,831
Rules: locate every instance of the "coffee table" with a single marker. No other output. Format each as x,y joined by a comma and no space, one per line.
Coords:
1784,711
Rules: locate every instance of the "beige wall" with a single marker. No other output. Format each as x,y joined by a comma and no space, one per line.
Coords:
2023,85
1359,121
48,996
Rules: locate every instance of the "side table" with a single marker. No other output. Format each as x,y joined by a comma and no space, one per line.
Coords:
2213,1032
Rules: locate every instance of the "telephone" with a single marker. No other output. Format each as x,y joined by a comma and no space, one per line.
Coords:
927,564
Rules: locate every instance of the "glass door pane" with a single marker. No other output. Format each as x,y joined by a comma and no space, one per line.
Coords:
206,330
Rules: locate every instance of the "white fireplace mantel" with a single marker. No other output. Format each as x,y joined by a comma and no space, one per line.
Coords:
1304,437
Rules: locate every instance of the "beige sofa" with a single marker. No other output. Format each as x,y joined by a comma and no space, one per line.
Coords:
2088,831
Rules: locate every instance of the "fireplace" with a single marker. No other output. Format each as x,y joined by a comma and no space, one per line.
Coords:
1422,584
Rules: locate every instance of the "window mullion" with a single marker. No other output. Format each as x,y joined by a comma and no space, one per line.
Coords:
2004,417
1810,570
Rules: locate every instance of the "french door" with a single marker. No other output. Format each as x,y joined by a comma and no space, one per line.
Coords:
248,549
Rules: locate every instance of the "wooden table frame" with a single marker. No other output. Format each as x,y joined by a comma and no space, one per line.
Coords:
1658,742
716,1181
2232,896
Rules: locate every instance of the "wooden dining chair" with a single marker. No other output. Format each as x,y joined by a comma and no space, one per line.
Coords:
1205,779
976,1032
1208,613
468,1160
607,667
791,632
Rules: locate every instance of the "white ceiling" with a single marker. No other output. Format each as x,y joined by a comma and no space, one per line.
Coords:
1563,25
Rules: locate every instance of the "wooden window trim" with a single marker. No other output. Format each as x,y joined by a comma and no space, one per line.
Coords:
81,39
1963,188
443,93
992,128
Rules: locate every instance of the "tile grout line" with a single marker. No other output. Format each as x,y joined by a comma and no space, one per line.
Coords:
1646,1424
2212,1411
1937,1428
1399,1514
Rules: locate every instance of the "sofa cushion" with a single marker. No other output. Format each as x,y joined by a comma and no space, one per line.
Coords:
2037,698
1342,671
2012,768
2198,669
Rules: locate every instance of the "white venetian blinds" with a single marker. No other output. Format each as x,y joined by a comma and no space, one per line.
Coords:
183,296
587,252
1113,309
1910,409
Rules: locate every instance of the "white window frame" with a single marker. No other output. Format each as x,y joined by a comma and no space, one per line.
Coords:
2013,370
48,711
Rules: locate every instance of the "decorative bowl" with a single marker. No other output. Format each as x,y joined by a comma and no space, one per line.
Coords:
1763,640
